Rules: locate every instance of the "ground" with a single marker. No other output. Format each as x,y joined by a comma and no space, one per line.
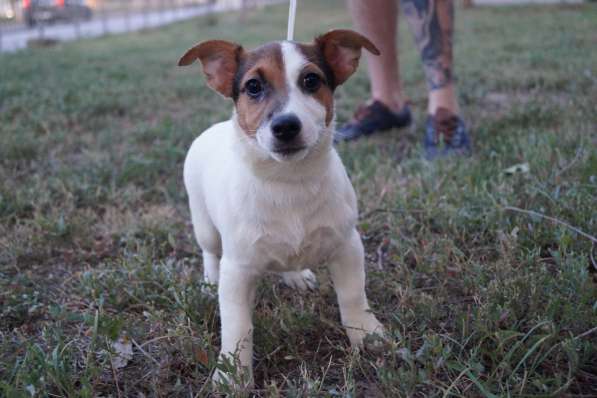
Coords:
479,298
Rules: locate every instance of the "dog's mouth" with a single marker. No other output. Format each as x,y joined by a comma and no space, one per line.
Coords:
288,151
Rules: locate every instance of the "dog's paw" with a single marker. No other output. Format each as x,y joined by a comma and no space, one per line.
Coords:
365,330
209,289
230,383
302,280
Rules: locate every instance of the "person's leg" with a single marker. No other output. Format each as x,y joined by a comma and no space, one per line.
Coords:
432,23
378,21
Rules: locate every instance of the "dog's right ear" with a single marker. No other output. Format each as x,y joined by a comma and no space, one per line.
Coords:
220,60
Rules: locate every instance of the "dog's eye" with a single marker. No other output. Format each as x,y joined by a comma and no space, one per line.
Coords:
254,88
311,82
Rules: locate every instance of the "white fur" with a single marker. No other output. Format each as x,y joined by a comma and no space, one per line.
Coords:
301,280
310,111
254,214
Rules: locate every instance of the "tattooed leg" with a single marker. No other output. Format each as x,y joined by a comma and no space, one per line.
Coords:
378,20
432,23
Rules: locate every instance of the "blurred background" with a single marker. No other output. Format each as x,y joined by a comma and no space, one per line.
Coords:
31,12
23,22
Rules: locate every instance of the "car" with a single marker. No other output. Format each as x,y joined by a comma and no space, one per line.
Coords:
40,11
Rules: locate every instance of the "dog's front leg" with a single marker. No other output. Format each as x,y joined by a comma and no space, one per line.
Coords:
236,294
348,275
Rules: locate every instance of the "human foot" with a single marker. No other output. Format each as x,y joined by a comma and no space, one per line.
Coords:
445,135
373,117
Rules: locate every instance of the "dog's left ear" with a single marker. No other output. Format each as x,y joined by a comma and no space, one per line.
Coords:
342,50
220,60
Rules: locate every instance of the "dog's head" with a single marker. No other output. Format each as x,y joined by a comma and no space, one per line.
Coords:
283,91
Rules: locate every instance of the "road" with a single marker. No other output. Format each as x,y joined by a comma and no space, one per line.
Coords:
16,38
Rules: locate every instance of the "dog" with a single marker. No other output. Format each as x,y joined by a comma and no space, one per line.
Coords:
267,190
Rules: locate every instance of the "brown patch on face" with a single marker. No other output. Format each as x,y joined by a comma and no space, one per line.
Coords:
316,64
266,65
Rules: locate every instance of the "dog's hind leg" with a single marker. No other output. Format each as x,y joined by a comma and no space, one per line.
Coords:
208,239
211,268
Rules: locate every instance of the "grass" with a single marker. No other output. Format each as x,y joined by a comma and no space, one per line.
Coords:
480,300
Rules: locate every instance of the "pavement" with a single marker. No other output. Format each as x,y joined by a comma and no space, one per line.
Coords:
522,2
17,37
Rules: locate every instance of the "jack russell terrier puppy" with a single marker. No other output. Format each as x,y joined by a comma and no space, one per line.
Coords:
267,190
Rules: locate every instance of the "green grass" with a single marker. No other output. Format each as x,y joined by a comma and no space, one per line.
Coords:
95,239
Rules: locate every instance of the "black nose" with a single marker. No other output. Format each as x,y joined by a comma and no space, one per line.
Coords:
286,127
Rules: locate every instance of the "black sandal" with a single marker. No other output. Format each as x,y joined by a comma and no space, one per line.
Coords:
371,118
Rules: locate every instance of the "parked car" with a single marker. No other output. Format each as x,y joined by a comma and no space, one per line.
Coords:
36,11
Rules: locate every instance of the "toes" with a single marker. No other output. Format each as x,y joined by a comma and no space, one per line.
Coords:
300,284
235,383
302,280
309,279
366,330
209,289
372,340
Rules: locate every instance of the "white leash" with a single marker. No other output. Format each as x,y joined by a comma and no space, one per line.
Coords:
291,18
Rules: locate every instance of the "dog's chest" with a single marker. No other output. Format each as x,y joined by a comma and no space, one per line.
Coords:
296,245
301,235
